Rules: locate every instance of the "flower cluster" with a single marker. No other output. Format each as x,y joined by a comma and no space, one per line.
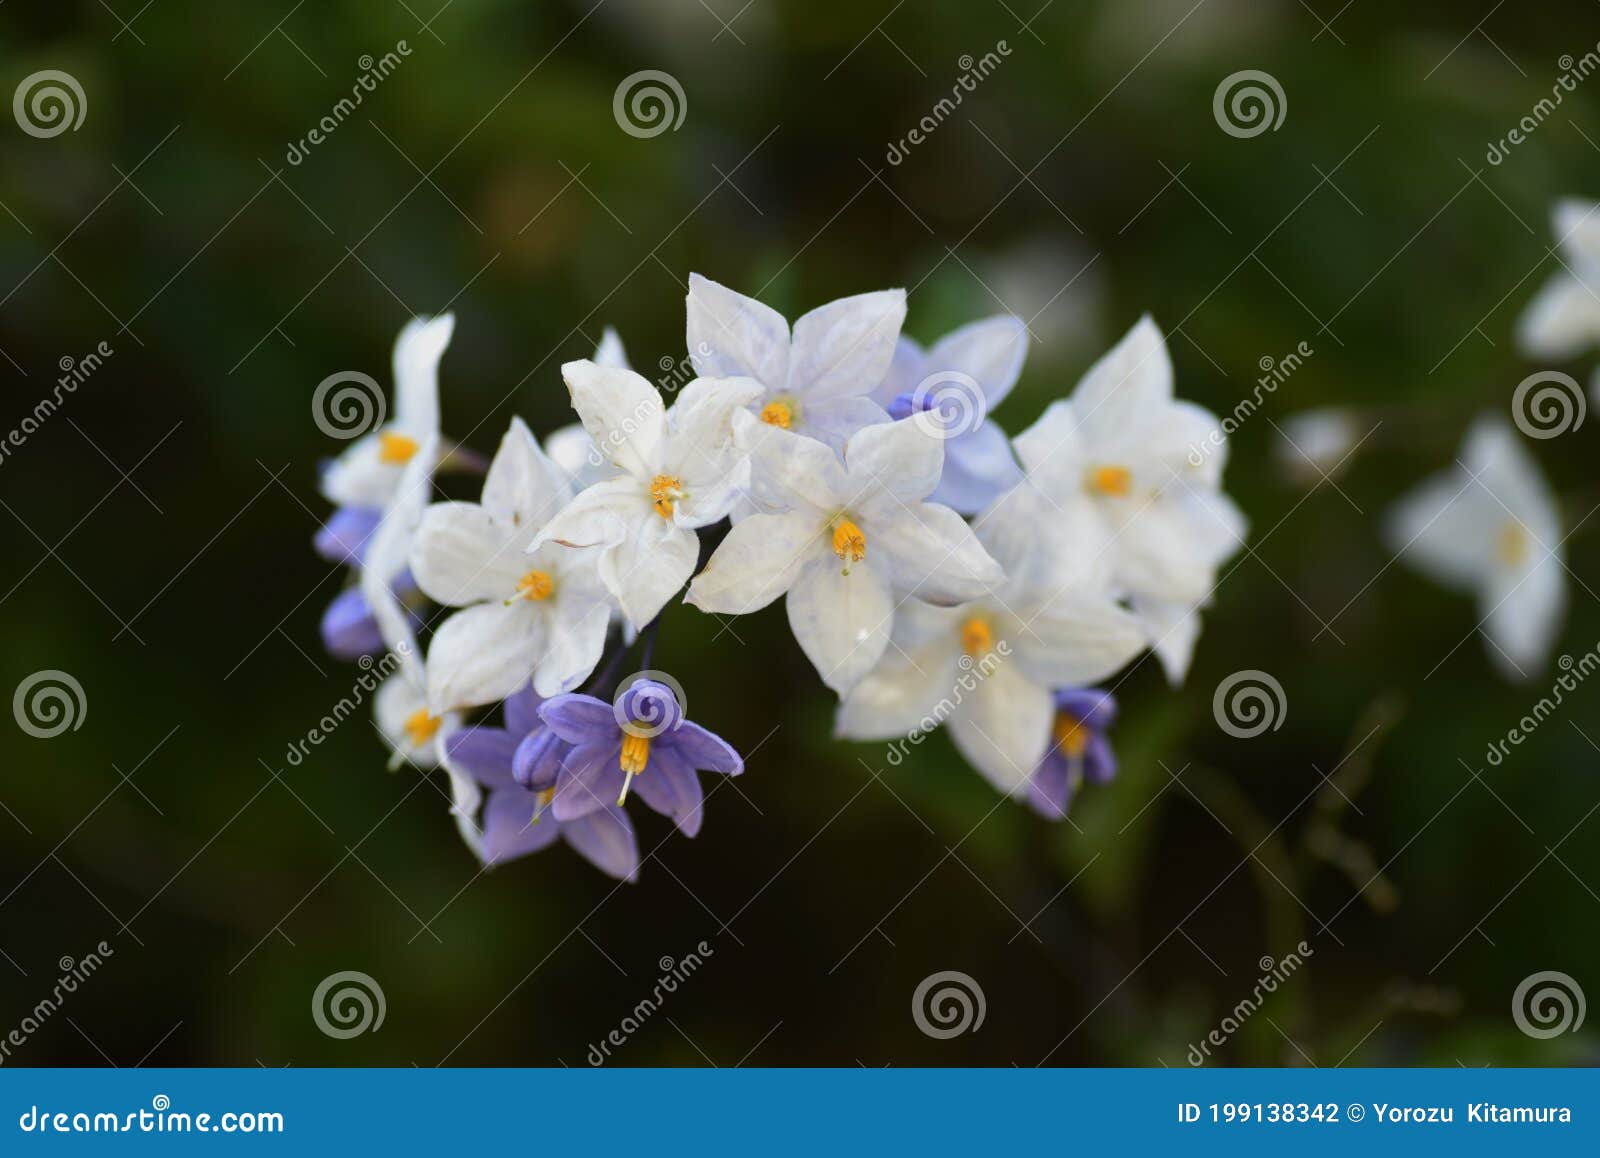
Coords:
933,571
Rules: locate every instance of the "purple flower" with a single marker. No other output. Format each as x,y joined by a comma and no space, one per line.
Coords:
1080,750
514,816
350,630
344,537
643,742
965,375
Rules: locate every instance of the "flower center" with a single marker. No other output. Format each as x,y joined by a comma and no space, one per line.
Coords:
1511,546
1071,735
777,413
420,727
1111,480
665,491
535,585
849,543
395,449
635,755
977,637
541,801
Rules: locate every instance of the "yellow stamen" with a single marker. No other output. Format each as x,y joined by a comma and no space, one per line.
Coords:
420,727
1071,736
777,414
541,801
535,585
1111,480
635,755
665,490
977,637
1512,545
849,543
395,449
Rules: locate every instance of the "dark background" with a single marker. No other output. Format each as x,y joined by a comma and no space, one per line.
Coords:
158,526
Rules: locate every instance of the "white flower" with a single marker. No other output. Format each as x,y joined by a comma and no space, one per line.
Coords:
851,538
1124,448
1315,443
815,382
1564,316
412,732
368,473
541,616
987,668
1490,526
678,471
570,447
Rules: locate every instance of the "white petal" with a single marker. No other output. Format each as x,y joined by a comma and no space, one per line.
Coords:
1047,544
788,470
1523,613
648,567
899,696
701,422
1076,638
990,352
389,552
1562,319
523,488
459,555
598,516
834,421
1503,466
359,477
906,369
416,373
1156,551
610,351
1003,727
484,654
1577,228
621,412
730,335
1442,527
898,459
466,797
933,555
576,641
844,348
1053,450
757,562
1126,388
1174,629
841,621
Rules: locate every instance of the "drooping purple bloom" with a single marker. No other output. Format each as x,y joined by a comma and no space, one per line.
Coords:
344,537
965,375
350,630
644,744
1079,750
517,820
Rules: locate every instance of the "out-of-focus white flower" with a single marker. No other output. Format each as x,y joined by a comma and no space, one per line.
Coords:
1563,318
1490,526
1122,448
1315,443
846,541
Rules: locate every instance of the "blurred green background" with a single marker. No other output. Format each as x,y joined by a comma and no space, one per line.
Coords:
159,524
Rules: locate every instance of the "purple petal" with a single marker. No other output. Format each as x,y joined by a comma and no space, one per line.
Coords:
1099,761
349,630
580,719
508,827
485,754
978,468
591,777
605,839
1050,788
701,749
522,711
539,758
651,705
669,785
344,537
1092,706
